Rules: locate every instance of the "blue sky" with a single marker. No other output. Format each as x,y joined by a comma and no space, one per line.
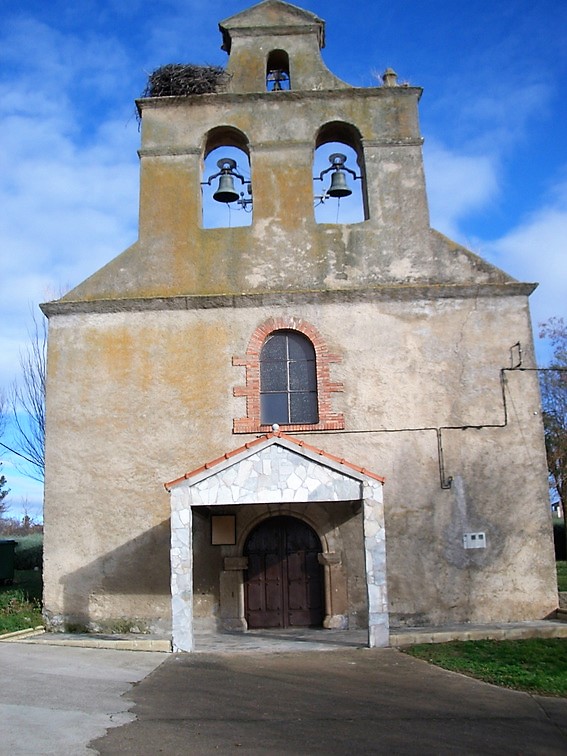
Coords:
493,114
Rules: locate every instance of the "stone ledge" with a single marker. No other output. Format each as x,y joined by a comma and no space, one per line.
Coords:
85,640
19,634
385,292
503,631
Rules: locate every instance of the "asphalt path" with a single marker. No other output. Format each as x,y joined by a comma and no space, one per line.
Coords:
55,699
358,701
63,700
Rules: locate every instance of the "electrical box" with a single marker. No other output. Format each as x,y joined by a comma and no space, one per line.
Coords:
474,540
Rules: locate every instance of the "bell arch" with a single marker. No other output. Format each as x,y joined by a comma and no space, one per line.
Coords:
226,185
339,182
278,77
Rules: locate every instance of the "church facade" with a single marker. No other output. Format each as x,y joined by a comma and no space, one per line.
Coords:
311,410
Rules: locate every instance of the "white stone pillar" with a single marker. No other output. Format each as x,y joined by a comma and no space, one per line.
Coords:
181,571
375,558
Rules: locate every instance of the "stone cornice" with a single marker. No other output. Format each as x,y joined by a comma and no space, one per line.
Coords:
394,142
397,293
169,151
258,147
233,98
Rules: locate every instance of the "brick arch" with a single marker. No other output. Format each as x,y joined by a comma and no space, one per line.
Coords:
328,419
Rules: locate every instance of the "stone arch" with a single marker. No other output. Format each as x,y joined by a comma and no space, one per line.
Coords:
225,136
343,138
335,580
281,510
277,71
225,143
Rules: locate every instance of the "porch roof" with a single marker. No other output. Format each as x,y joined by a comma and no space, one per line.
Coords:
338,464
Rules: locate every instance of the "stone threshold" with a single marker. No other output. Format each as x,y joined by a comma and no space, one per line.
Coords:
295,640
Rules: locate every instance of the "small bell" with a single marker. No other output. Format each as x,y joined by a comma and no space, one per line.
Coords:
339,186
226,191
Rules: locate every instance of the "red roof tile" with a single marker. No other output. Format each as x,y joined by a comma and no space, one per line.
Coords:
262,439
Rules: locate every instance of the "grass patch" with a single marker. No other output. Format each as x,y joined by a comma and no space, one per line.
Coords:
20,603
561,576
536,665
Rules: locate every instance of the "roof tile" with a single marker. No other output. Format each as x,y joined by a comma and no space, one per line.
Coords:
262,439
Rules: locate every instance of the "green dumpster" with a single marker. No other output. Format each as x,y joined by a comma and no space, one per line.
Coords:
7,561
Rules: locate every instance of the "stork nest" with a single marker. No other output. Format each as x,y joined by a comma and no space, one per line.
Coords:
179,79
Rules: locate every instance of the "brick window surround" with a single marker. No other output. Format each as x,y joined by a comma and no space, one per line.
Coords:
328,420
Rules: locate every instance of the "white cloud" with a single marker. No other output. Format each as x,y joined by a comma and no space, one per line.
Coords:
536,250
499,121
533,250
457,185
69,203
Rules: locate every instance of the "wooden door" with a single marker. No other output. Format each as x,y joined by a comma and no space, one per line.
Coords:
284,581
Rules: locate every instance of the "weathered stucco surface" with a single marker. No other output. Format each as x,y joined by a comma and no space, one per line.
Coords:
155,398
141,374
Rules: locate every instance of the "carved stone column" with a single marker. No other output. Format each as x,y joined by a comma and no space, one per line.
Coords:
232,594
336,604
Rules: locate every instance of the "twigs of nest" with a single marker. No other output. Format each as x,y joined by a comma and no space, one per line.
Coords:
179,79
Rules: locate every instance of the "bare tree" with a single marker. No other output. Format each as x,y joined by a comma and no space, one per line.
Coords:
27,401
4,506
553,381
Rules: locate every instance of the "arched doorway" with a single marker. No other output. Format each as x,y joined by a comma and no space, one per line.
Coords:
283,585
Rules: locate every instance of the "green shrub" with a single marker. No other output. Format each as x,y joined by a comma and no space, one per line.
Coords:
561,576
29,552
559,540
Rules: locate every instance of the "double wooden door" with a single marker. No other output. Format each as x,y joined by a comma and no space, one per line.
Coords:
284,580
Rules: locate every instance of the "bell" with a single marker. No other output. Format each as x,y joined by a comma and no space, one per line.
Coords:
226,191
339,187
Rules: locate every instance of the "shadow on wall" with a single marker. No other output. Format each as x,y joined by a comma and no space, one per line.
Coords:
126,590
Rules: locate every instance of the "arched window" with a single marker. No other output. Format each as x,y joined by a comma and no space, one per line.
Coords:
288,380
339,184
277,71
226,185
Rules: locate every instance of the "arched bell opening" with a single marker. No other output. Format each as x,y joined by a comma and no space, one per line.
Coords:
277,72
226,186
339,182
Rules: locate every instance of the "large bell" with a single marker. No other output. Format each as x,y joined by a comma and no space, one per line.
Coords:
339,186
226,191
